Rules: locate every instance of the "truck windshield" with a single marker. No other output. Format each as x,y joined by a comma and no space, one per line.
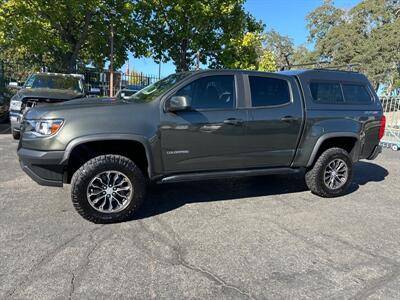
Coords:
59,82
156,89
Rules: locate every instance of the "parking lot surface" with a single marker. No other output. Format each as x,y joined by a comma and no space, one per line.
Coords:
258,238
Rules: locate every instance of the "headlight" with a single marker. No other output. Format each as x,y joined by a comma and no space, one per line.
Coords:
42,128
15,105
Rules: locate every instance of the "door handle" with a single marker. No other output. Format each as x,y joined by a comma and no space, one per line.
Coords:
233,121
288,119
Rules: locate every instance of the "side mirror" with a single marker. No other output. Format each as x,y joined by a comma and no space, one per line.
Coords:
178,103
13,85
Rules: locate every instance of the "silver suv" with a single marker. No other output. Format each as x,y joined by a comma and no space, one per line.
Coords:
42,89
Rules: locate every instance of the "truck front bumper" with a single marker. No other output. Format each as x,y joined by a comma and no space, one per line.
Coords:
375,153
44,167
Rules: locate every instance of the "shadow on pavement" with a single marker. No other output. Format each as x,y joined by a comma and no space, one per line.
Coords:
5,128
167,197
365,172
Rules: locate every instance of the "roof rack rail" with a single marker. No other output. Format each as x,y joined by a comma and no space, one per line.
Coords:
319,66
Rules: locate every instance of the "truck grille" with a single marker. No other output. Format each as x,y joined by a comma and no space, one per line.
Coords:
32,102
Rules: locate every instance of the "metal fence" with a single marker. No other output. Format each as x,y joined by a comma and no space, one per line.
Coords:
101,80
391,110
93,79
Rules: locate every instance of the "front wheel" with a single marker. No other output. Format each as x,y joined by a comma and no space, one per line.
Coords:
108,189
16,135
332,173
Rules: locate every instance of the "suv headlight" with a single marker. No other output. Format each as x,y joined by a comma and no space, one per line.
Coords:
43,127
15,105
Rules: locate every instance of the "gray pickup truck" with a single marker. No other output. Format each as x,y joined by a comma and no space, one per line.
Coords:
204,125
41,89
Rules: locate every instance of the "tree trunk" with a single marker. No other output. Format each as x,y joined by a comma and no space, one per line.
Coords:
377,86
287,61
71,65
77,46
183,64
63,63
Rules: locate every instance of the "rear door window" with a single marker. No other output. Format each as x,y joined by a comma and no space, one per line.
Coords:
326,92
355,93
266,91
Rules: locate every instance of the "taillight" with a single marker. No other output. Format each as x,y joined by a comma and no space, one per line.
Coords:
382,128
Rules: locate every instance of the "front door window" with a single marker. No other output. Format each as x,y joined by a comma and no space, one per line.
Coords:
212,92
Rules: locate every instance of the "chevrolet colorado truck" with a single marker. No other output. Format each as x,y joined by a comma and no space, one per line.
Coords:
42,89
203,125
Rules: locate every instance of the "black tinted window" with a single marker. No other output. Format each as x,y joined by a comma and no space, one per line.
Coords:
354,93
268,91
212,92
328,93
61,82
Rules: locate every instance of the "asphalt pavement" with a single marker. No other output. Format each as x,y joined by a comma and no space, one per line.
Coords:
252,238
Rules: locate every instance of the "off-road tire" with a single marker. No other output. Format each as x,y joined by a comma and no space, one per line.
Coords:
83,176
314,176
16,135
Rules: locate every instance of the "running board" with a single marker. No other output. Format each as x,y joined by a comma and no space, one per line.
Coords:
227,174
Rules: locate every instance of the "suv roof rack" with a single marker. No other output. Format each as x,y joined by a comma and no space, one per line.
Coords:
319,67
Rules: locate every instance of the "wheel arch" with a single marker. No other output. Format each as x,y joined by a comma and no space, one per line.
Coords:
328,138
111,137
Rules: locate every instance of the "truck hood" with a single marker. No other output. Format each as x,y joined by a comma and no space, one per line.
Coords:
48,95
94,116
87,102
88,106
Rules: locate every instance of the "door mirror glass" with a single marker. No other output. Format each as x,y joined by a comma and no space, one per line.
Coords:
178,103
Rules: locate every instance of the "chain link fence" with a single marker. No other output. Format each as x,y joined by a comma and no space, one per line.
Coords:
391,110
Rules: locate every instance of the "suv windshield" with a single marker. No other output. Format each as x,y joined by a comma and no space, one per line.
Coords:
156,89
59,82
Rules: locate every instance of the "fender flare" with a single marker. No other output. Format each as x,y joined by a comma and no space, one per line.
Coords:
327,136
110,137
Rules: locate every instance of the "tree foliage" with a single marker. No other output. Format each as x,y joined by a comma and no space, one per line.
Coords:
281,46
367,35
247,52
181,30
62,34
286,54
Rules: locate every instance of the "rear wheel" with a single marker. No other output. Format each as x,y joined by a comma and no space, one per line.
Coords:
332,173
107,189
